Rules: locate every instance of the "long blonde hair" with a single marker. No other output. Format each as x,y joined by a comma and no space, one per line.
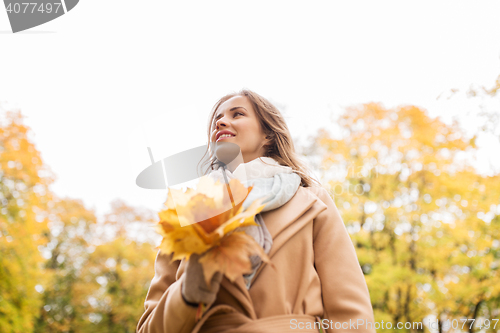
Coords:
273,124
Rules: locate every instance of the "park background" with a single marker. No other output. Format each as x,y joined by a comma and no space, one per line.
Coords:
395,107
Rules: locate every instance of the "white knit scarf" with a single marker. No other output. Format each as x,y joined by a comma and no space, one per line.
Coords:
269,179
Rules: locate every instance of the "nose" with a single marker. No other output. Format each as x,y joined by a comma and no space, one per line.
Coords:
221,122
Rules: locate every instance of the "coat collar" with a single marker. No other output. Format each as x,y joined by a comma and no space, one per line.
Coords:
282,224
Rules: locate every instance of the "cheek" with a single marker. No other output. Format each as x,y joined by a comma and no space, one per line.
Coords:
249,131
249,136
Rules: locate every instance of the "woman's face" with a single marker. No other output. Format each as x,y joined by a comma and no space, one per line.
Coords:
237,117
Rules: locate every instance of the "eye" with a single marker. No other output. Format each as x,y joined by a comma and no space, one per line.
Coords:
234,115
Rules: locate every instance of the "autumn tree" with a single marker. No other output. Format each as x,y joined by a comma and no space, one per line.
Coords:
70,243
62,269
415,210
116,277
99,274
25,200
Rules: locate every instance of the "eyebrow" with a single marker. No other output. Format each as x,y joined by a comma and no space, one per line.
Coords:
232,109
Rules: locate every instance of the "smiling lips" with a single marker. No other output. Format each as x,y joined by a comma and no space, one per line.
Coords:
224,136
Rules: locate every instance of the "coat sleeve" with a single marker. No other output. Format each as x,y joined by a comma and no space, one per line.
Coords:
346,299
165,309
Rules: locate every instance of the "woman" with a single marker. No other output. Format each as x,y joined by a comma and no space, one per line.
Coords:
317,280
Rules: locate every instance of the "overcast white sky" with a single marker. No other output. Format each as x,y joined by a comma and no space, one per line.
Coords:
93,82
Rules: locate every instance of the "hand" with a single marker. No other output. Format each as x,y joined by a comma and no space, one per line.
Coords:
194,288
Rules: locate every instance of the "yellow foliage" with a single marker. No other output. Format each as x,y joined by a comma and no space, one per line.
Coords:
426,226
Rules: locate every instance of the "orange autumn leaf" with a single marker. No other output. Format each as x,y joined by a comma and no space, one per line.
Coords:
232,256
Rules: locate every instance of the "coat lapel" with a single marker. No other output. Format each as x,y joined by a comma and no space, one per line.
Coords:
285,222
278,220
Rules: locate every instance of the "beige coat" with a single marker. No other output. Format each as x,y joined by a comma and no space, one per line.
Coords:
317,274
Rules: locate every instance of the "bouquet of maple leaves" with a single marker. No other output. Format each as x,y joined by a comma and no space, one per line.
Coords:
205,221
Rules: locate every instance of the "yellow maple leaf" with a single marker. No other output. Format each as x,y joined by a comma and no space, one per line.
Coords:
232,256
204,218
